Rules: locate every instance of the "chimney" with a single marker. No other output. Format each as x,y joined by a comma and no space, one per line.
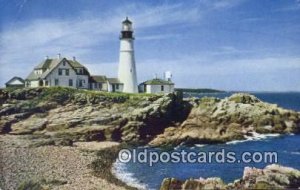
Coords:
74,58
58,56
46,57
168,75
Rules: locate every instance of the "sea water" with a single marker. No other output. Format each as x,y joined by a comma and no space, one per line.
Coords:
143,176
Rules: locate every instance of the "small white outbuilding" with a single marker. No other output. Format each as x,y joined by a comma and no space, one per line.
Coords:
15,82
157,86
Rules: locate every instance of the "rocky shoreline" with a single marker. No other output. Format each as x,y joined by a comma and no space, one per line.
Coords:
271,177
238,117
50,167
67,125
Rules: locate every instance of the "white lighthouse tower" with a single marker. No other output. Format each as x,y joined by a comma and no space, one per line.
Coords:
127,70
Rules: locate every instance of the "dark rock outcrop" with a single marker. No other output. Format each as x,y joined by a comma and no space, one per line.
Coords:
271,177
214,120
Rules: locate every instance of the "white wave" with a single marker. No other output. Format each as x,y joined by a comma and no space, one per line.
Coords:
237,141
119,170
177,147
200,145
253,137
296,153
258,136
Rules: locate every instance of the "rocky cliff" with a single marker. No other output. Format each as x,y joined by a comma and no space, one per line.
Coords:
271,177
214,120
163,120
77,115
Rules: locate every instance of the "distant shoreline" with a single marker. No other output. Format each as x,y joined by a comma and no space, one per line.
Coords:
198,90
208,90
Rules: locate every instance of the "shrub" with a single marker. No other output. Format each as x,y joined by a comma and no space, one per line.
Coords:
103,164
30,185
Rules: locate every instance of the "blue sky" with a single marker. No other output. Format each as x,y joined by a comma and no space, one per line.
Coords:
223,44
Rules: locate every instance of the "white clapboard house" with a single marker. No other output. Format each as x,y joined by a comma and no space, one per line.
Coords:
69,73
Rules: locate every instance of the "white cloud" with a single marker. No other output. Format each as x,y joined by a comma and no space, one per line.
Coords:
221,4
239,74
159,37
24,45
107,69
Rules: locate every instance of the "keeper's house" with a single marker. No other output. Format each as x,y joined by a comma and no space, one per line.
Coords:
69,73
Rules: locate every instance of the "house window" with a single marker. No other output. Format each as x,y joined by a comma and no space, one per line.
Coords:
67,72
80,83
59,71
100,85
117,86
70,82
56,82
64,63
162,88
40,83
46,83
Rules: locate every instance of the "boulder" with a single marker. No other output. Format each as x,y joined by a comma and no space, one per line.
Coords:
271,177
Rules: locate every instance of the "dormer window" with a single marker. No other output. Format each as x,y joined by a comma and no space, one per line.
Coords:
80,71
38,71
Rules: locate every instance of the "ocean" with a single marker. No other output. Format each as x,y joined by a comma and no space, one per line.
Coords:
142,176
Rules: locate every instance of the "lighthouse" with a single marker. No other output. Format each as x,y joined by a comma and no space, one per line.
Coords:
127,70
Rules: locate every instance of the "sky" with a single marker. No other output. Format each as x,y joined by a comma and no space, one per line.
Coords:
244,45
